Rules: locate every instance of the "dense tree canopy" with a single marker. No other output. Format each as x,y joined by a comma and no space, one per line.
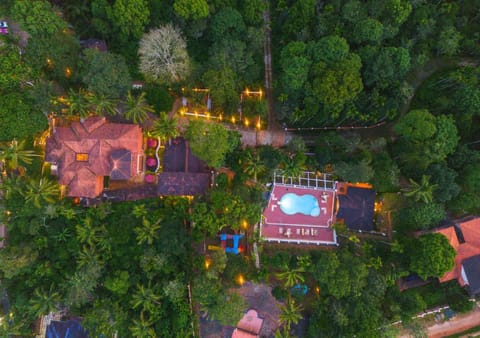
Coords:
431,255
38,18
18,118
53,54
14,69
105,73
210,141
191,9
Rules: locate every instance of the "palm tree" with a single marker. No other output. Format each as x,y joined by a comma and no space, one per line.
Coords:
42,190
102,105
137,107
139,211
290,313
290,277
148,232
10,328
13,153
146,299
422,191
291,167
43,302
165,127
92,235
253,165
9,185
142,328
78,103
87,256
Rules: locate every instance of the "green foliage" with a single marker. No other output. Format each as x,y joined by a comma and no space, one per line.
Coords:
448,42
252,11
340,275
437,137
387,173
209,141
37,17
389,66
13,153
368,30
352,295
188,9
422,191
223,87
290,314
423,216
354,172
137,107
18,119
16,260
334,86
253,165
44,302
105,73
330,49
119,283
444,178
431,255
295,65
159,98
52,54
129,17
14,70
227,24
227,309
165,127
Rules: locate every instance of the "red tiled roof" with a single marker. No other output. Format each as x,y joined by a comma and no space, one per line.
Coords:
96,141
471,247
249,326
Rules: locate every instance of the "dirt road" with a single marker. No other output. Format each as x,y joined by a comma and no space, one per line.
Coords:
456,325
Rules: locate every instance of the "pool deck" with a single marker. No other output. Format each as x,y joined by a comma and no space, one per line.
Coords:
276,226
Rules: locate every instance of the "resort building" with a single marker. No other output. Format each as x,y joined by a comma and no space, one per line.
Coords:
302,210
464,237
86,155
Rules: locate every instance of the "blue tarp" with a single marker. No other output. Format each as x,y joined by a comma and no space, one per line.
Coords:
67,329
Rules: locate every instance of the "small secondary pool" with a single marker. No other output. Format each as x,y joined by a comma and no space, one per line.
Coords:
292,204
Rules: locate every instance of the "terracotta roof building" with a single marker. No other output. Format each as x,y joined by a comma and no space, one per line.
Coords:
464,237
84,153
249,326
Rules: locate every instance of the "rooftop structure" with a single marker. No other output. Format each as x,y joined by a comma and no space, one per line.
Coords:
183,173
97,44
65,329
300,210
355,206
249,326
84,153
464,237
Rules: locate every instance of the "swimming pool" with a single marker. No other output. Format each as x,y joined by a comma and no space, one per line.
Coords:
292,204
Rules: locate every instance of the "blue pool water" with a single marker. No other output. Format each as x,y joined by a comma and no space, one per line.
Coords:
292,204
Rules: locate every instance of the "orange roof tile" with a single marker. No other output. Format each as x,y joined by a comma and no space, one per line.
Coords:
95,139
469,248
